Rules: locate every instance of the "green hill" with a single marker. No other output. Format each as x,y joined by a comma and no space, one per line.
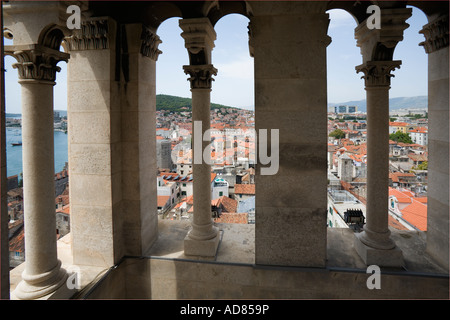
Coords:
175,104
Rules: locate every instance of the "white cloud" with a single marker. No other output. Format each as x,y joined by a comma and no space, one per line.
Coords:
241,68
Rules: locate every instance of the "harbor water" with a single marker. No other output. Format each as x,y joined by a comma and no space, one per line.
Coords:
14,153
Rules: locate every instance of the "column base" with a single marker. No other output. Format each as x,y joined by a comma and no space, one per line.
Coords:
380,257
202,248
43,286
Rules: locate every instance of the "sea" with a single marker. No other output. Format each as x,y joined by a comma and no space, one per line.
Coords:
14,153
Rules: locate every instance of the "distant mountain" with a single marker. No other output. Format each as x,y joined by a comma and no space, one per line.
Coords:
418,102
174,103
13,115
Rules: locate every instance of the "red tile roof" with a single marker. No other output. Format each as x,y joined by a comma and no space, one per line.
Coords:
228,217
244,189
228,204
421,199
418,157
162,200
401,197
63,198
16,243
395,224
398,124
416,214
190,200
395,176
420,130
65,209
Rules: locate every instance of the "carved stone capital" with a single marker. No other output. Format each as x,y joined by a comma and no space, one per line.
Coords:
436,35
378,73
93,35
379,44
36,62
199,37
200,75
149,44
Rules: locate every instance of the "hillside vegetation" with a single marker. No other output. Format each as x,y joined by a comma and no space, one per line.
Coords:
176,104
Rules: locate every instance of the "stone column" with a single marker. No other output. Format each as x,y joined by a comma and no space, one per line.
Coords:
199,35
112,138
289,51
436,46
4,218
37,72
374,244
94,134
138,108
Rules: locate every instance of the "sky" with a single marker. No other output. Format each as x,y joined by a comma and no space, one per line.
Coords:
234,85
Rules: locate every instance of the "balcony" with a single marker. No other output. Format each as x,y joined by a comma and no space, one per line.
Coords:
119,249
166,273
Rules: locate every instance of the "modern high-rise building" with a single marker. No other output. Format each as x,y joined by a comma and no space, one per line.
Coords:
345,109
352,109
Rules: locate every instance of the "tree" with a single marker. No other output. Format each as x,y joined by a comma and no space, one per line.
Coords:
423,166
400,137
20,183
338,134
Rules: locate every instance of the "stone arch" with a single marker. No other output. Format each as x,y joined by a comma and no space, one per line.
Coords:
432,9
52,37
356,10
220,9
156,14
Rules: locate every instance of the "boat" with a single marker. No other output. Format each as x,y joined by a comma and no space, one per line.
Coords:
16,144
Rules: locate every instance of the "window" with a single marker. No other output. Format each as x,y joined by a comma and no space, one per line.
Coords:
184,184
220,193
183,193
